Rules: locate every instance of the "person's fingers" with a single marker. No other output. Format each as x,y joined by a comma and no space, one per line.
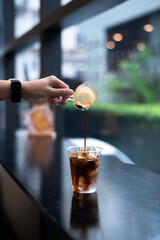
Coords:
64,102
65,97
56,100
65,93
57,83
52,101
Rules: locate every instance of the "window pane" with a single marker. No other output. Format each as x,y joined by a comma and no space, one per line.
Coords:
118,52
26,15
1,26
27,68
27,63
2,105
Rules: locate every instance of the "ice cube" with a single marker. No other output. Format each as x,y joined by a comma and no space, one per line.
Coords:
82,155
92,155
81,180
93,173
73,155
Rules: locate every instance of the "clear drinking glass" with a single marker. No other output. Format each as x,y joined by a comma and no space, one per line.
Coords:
84,96
84,164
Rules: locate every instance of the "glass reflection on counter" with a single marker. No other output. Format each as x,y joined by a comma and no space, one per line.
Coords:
84,219
42,152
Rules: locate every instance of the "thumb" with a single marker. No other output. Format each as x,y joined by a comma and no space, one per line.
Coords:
56,92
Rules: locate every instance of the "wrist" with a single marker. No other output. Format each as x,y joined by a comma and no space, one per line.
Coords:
26,89
32,90
7,90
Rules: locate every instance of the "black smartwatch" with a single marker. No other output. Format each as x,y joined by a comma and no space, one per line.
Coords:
15,90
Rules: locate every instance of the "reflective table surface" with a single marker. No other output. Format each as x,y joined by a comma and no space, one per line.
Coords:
125,206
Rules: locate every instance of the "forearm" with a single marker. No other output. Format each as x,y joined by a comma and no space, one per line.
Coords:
50,88
32,88
5,90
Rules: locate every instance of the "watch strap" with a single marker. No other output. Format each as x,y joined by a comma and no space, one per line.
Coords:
15,90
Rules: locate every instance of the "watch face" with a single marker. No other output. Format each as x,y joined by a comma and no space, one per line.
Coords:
16,85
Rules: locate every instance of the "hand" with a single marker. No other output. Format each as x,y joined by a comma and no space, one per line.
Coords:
50,88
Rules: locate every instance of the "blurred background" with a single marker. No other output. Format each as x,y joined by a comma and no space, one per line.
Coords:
113,46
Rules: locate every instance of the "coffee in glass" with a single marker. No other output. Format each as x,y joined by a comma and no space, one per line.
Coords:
84,164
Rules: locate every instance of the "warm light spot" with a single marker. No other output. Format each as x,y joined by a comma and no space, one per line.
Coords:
148,28
110,45
141,46
117,37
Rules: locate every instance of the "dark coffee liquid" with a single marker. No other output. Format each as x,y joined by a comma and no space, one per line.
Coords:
85,127
79,107
84,171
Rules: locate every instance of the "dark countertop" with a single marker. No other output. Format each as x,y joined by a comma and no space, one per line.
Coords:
125,206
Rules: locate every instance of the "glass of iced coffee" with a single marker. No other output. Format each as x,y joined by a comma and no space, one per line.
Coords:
84,164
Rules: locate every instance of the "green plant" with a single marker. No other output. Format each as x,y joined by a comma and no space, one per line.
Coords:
133,85
147,111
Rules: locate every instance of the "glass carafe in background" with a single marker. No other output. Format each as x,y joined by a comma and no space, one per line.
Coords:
84,96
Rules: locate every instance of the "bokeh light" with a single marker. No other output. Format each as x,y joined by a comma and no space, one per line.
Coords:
117,37
148,27
110,45
141,46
